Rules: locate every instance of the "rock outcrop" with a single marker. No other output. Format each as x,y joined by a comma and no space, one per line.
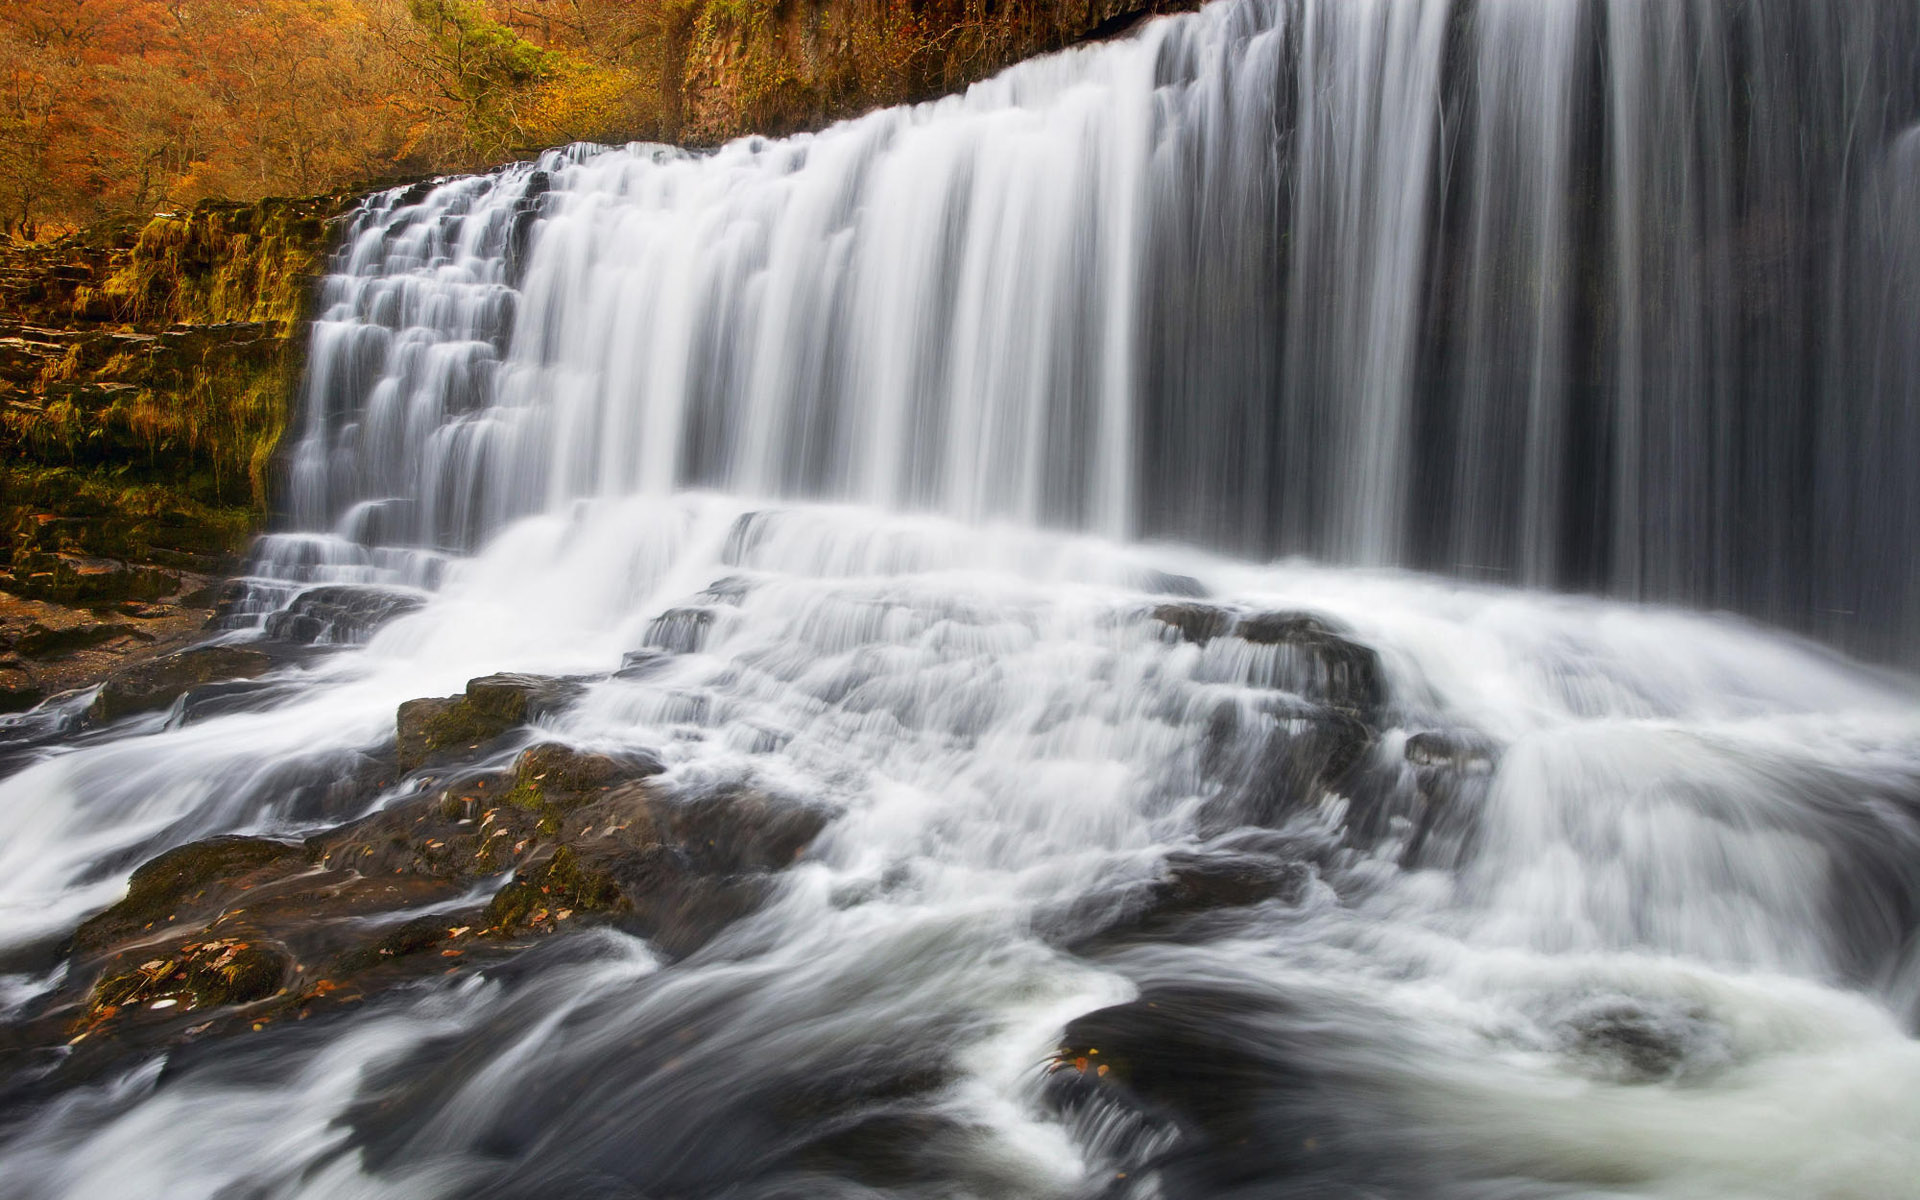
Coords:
146,373
485,851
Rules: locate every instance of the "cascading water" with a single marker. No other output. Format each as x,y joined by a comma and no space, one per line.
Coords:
913,416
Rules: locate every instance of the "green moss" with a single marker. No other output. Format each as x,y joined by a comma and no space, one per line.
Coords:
562,884
110,512
159,887
429,726
195,976
227,262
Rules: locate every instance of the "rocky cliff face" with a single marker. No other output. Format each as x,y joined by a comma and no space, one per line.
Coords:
777,66
145,377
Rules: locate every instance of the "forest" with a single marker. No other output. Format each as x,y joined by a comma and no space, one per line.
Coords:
112,108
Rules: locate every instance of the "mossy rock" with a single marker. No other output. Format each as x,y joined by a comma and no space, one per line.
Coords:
554,891
159,682
75,579
428,728
552,779
436,729
196,975
162,884
414,937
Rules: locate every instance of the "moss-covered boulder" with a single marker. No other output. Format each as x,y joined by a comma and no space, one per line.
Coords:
439,729
673,869
551,779
191,976
160,887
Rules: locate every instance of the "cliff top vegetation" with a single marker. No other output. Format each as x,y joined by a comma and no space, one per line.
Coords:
123,108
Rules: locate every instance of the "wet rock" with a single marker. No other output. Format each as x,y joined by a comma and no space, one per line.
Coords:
551,779
680,630
1178,1065
235,696
158,683
521,698
731,590
1203,881
740,830
1316,661
558,887
1276,758
1191,884
1197,623
338,615
1167,584
245,931
674,870
1621,1040
1457,749
1451,770
183,874
437,729
638,664
1217,1085
195,975
413,937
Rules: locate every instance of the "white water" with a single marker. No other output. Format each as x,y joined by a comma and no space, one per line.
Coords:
1698,826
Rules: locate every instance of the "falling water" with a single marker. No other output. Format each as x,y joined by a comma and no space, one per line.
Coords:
1538,297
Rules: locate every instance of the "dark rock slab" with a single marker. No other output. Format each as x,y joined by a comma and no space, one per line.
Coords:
339,614
157,683
1191,885
1196,623
181,875
1317,661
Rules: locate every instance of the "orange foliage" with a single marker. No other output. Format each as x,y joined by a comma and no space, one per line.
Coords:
126,107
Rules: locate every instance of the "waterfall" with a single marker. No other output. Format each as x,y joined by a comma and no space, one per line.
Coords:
1590,294
1252,442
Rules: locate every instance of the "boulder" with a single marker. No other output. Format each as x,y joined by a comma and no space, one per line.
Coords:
674,870
1316,661
1196,623
183,874
242,931
339,615
159,682
1207,1085
193,976
1190,884
552,779
438,729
